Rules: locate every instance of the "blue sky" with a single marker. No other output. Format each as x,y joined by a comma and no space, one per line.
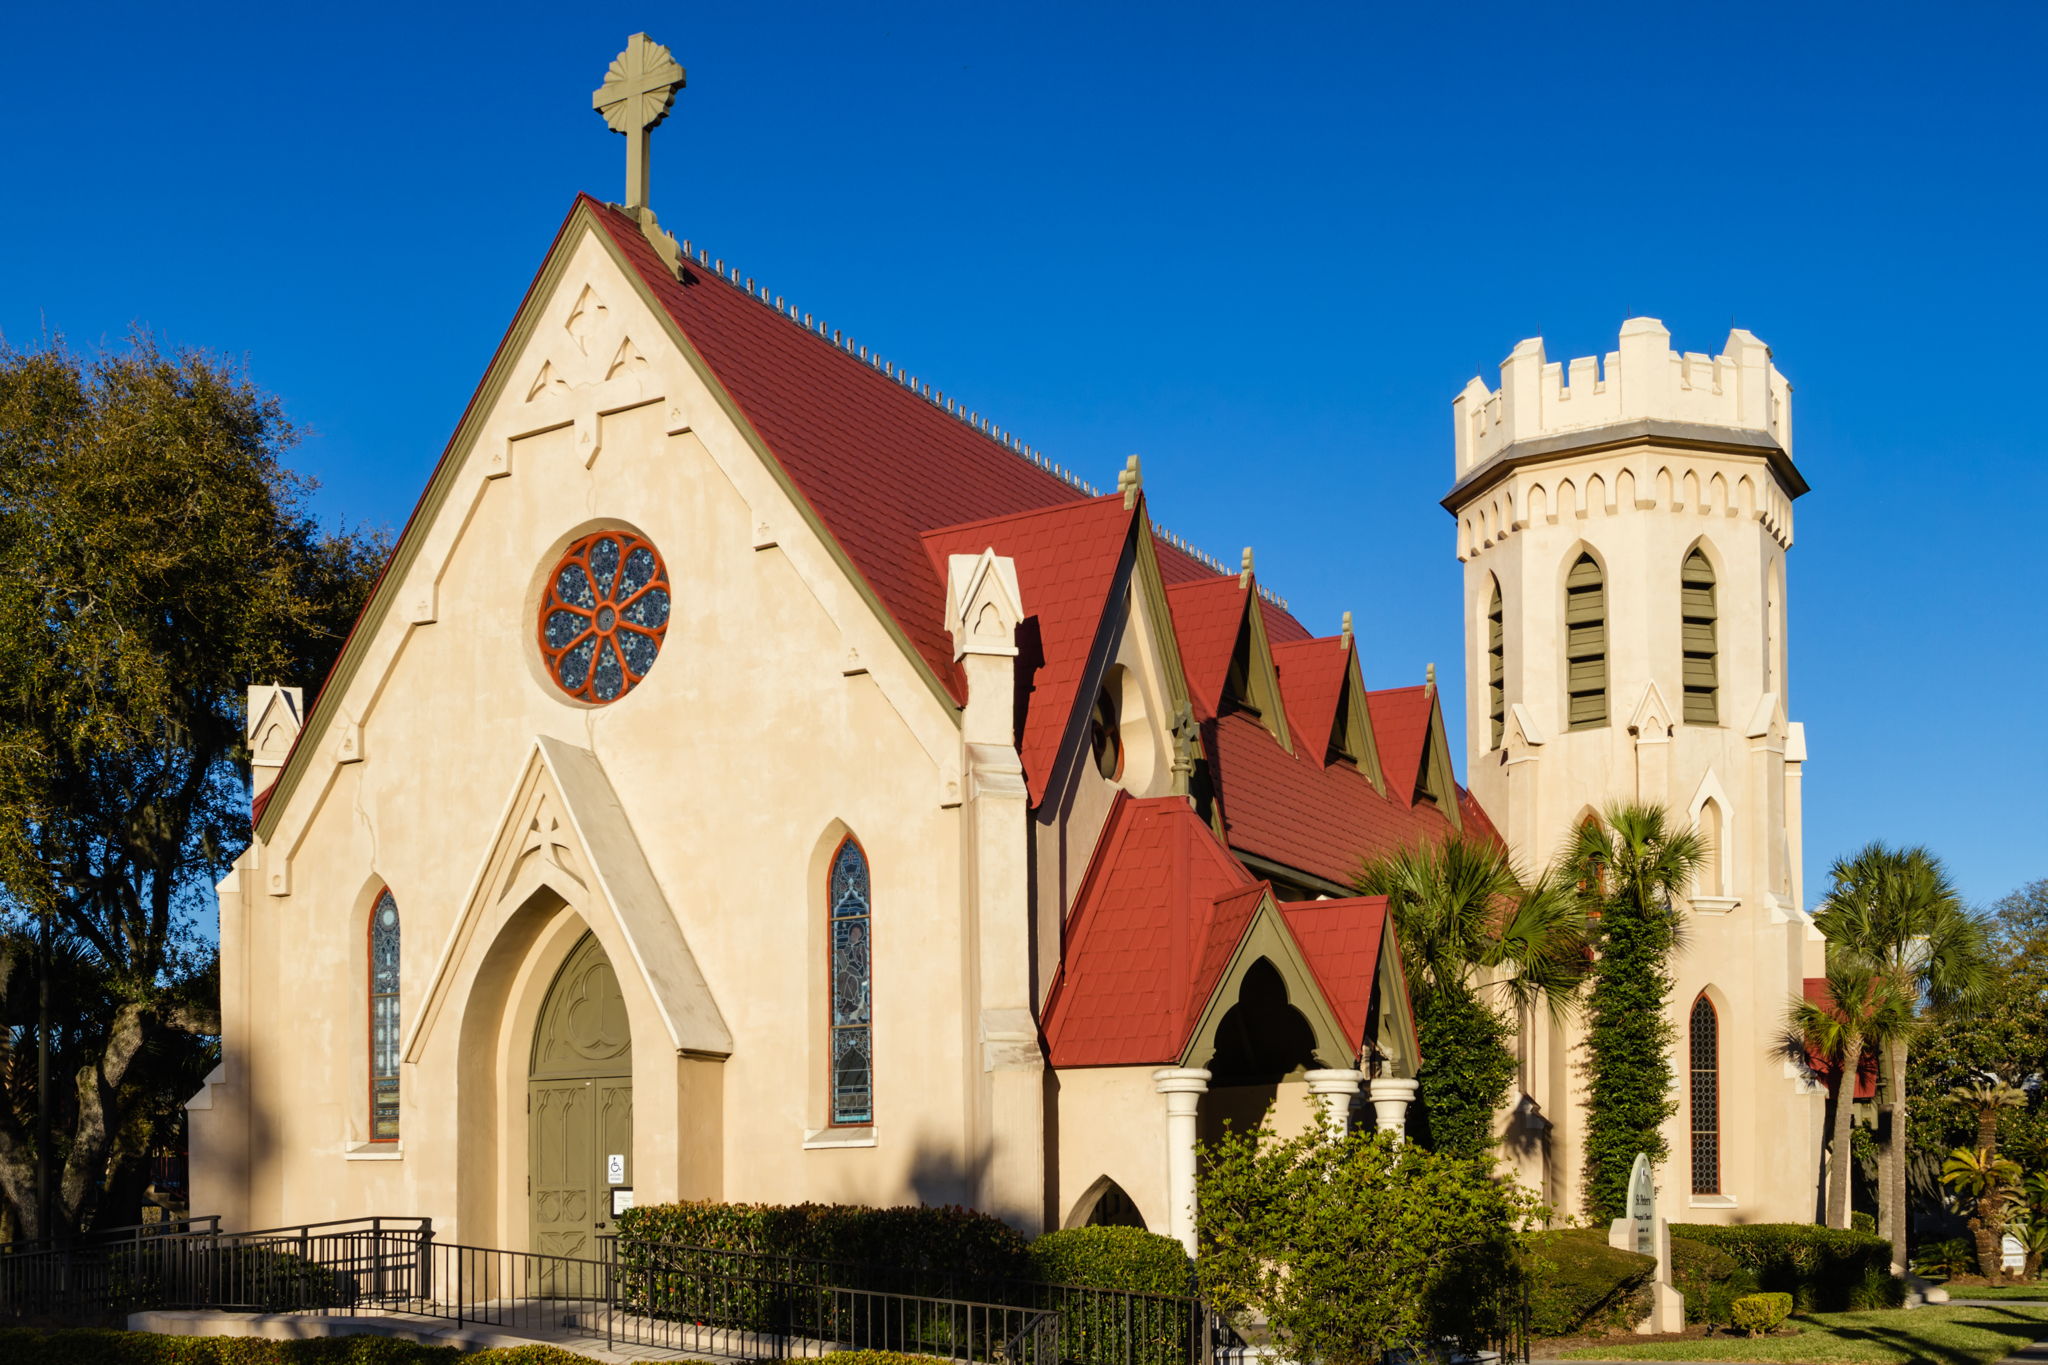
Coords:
1264,246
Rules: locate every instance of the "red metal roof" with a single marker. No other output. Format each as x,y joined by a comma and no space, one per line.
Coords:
1208,618
1123,994
1067,560
1159,916
879,464
1312,678
1400,725
1342,940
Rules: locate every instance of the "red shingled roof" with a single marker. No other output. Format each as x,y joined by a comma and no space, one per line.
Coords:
1160,914
1400,725
880,465
1067,560
1124,991
1342,940
1312,678
1208,618
1815,988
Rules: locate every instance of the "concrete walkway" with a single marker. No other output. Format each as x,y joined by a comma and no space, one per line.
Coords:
427,1331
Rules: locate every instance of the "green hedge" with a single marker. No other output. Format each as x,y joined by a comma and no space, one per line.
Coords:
1581,1284
1756,1314
25,1346
1825,1270
918,1248
1710,1279
1129,1259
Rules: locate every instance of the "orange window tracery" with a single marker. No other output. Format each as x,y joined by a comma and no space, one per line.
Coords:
604,615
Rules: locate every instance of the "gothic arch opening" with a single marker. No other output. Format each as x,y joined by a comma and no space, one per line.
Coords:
1106,1205
1262,1043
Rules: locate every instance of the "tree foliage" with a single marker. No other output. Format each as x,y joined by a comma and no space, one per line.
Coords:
1470,925
1629,864
1354,1246
1862,1010
1895,912
156,557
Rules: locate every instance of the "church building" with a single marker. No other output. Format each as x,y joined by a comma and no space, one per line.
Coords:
757,776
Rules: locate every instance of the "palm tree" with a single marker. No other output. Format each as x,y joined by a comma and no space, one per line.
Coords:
1895,911
1630,865
1468,922
1861,1010
1460,908
1992,1183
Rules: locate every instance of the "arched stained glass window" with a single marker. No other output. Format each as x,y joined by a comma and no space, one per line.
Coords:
852,1041
1706,1097
384,1019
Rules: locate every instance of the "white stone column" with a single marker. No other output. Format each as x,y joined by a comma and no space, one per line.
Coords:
1390,1101
1335,1089
1183,1088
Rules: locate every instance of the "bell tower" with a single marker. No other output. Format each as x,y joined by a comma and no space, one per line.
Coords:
1623,523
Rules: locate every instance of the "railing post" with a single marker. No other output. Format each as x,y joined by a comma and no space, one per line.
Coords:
423,1262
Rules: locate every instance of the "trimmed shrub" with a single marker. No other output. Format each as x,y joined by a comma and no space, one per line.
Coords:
1859,1221
1756,1314
1128,1259
874,1358
1581,1284
1825,1270
1710,1279
913,1249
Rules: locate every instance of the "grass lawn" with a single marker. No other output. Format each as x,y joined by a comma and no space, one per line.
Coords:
1998,1291
1943,1335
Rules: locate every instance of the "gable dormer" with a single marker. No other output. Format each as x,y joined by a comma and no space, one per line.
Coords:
1326,703
1435,783
1225,652
1351,737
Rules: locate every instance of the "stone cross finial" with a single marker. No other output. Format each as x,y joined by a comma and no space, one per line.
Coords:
634,99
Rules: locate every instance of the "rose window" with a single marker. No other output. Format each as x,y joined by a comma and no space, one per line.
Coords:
603,616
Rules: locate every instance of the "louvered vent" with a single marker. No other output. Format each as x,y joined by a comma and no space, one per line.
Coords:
1585,648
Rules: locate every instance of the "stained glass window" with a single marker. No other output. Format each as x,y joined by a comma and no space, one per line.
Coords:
384,1020
852,1042
603,616
1706,1098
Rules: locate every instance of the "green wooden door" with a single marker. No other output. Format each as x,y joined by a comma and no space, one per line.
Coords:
579,1107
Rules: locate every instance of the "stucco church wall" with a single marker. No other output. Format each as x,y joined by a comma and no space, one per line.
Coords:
778,715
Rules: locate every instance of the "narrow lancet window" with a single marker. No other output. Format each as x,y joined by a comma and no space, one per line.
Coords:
384,1019
1585,648
1706,1098
1697,621
852,1043
1496,670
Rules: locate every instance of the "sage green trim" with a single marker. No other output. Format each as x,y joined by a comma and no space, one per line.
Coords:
1433,775
1262,678
1357,719
1267,937
1397,1037
463,443
1277,871
396,571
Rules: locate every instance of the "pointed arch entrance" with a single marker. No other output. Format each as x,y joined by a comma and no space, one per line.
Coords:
579,1104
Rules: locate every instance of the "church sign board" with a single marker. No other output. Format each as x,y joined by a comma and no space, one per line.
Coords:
1642,1205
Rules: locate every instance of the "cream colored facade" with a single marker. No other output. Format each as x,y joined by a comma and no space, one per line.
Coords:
1639,461
689,826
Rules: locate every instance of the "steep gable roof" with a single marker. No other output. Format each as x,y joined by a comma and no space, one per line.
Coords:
878,464
1312,678
1162,914
1067,560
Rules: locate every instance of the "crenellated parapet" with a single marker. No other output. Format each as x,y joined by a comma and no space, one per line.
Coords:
1643,381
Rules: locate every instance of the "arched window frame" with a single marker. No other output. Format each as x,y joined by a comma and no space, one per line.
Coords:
1585,641
1699,636
849,1021
1496,667
1703,1038
382,985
